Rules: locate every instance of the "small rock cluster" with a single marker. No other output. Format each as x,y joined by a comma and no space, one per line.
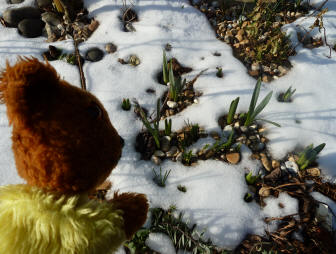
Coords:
262,47
33,22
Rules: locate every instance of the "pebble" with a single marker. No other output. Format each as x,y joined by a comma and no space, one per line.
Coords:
266,78
283,70
196,101
275,164
233,158
172,151
129,27
172,104
94,54
134,60
156,160
264,192
243,128
165,143
265,162
255,66
44,3
31,28
227,130
13,16
159,153
292,167
236,125
110,48
51,18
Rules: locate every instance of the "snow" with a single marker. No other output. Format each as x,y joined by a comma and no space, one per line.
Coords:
215,190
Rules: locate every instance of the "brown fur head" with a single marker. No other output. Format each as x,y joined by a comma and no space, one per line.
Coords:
62,137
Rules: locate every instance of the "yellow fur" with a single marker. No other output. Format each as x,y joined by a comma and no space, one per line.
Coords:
36,222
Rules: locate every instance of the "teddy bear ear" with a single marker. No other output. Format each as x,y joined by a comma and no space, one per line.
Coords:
26,85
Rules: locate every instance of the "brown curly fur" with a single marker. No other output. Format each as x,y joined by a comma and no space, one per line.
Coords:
135,208
59,142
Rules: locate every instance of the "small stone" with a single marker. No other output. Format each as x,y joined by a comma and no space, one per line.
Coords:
275,175
266,78
168,47
227,130
313,171
233,158
253,127
156,160
172,151
44,3
293,158
51,18
215,135
13,16
110,48
283,70
129,27
165,143
298,15
275,164
264,192
292,167
262,130
265,162
159,153
196,101
134,60
243,128
236,125
94,54
31,28
255,66
172,104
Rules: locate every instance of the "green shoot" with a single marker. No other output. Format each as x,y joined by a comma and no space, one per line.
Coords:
176,85
137,243
155,129
309,155
248,197
232,110
219,72
287,96
126,105
168,127
251,179
165,68
187,157
253,110
222,146
160,179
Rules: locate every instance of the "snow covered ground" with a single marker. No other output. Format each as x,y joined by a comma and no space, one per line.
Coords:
215,190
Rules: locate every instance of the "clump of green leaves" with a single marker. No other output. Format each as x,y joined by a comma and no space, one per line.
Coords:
154,130
287,96
183,237
187,157
248,197
309,155
191,134
232,110
222,146
168,127
251,179
182,188
137,243
253,110
159,178
69,58
126,104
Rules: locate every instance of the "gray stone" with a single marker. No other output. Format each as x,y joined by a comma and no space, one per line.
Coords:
44,3
156,160
292,167
172,151
13,16
227,130
159,153
172,104
31,28
94,55
165,143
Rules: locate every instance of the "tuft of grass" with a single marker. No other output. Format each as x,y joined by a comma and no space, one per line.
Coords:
253,110
287,96
154,130
160,179
176,85
232,110
126,104
309,155
218,146
187,157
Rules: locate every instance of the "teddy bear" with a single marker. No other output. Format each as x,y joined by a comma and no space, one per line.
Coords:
64,147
